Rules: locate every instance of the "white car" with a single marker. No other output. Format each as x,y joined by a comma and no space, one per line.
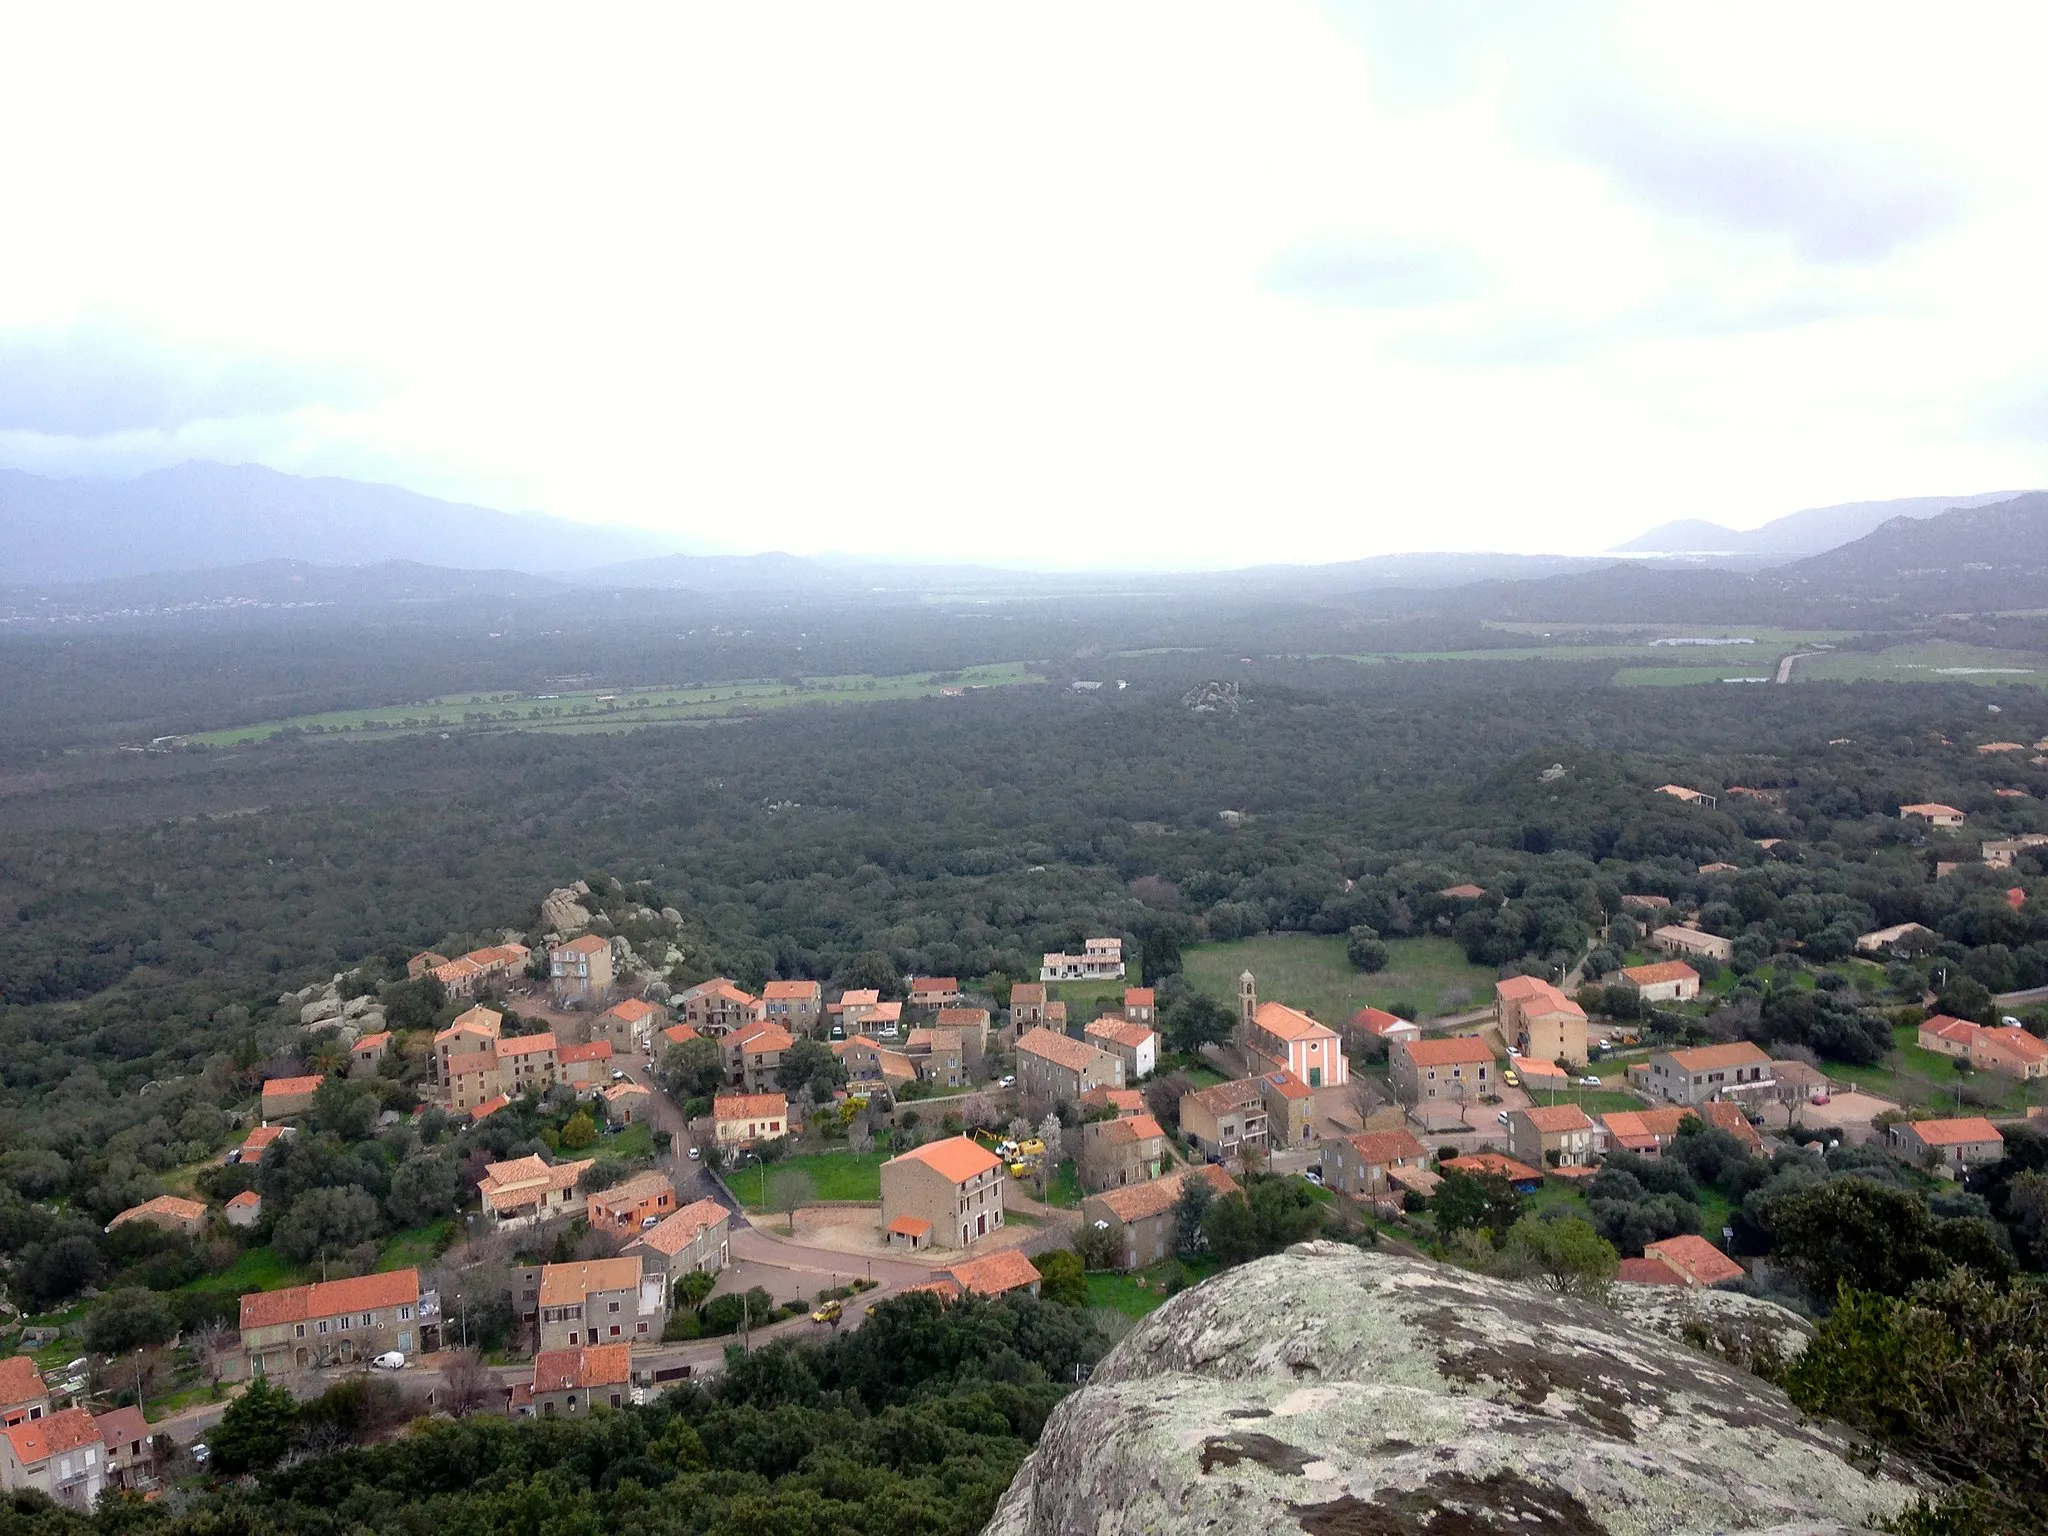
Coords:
1502,1117
1589,1082
618,1076
1314,1176
1009,1082
649,1223
390,1360
695,1153
201,1452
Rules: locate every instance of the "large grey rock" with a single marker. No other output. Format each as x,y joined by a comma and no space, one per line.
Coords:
1341,1393
560,912
356,1007
321,1011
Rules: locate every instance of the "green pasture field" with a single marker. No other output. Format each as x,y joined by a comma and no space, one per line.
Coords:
833,1176
1310,972
1927,661
613,709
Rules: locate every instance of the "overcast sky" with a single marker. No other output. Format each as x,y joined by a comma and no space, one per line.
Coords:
1172,284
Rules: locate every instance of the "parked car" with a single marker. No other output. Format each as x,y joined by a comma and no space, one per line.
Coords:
1314,1176
649,1223
696,1153
390,1360
618,1075
1502,1117
1589,1082
1510,1079
202,1453
1007,1082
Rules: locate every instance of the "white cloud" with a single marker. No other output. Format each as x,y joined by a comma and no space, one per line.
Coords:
1169,282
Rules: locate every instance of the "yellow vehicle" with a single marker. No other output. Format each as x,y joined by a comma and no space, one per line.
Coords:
1018,1170
829,1312
1032,1148
1510,1079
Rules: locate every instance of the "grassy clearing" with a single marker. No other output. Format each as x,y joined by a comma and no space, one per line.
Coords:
635,1141
1920,1079
1143,1292
614,708
1425,977
417,1247
1087,1000
1064,1188
1734,672
257,1269
833,1176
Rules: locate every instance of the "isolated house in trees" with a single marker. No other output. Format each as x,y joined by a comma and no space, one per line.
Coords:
1099,960
1954,1144
172,1213
367,1052
580,971
1677,939
1933,812
283,1096
945,1194
1667,981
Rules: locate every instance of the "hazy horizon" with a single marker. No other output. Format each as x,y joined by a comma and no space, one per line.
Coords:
1163,288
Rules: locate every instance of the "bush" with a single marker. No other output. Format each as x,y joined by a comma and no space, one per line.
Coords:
128,1319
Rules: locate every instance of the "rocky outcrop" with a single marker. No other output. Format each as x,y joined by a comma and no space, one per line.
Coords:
320,1012
561,913
1341,1393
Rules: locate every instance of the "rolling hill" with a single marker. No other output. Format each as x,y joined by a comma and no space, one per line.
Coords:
1799,533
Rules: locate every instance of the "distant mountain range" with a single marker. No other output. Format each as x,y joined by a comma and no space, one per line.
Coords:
201,516
1798,533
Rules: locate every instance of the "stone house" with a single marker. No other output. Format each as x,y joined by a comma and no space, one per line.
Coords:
23,1395
244,1210
1290,1110
368,1051
465,1059
626,1023
945,1194
1566,1130
751,1054
930,993
337,1322
693,1238
283,1096
170,1212
1667,981
1142,1215
1135,1045
129,1445
1361,1165
1127,1150
569,1382
795,1005
938,1056
1675,939
997,1274
586,1068
595,1301
1955,1144
717,1007
580,971
1709,1072
1140,1005
1220,1120
1053,1069
526,1064
526,1191
1539,1021
625,1103
1456,1068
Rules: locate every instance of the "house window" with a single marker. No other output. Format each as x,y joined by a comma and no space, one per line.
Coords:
298,1330
615,1330
365,1319
343,1325
321,1326
405,1314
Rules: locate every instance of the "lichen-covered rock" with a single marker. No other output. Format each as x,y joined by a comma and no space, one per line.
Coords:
561,913
1342,1393
1743,1329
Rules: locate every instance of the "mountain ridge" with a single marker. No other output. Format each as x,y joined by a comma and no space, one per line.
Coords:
1810,531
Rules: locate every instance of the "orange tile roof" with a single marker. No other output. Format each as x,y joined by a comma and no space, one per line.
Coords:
1494,1163
750,1106
1644,1126
1285,1023
566,1370
1466,892
1953,1133
1728,1116
1514,987
2015,1042
860,997
945,1290
1287,1085
957,1158
477,1020
765,1037
1705,1058
244,1200
997,1273
262,1137
1929,808
962,1018
330,1298
20,1381
286,1086
1121,1031
910,1226
1051,1045
1456,1050
1125,1101
1140,997
596,1050
1648,1271
1550,1119
51,1435
1694,1258
489,1107
524,1181
677,1232
790,991
1027,992
1137,1202
1382,1147
526,1045
173,1206
632,1010
934,984
1529,1066
562,1284
1662,971
1378,1021
589,944
374,1042
642,1186
679,1034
